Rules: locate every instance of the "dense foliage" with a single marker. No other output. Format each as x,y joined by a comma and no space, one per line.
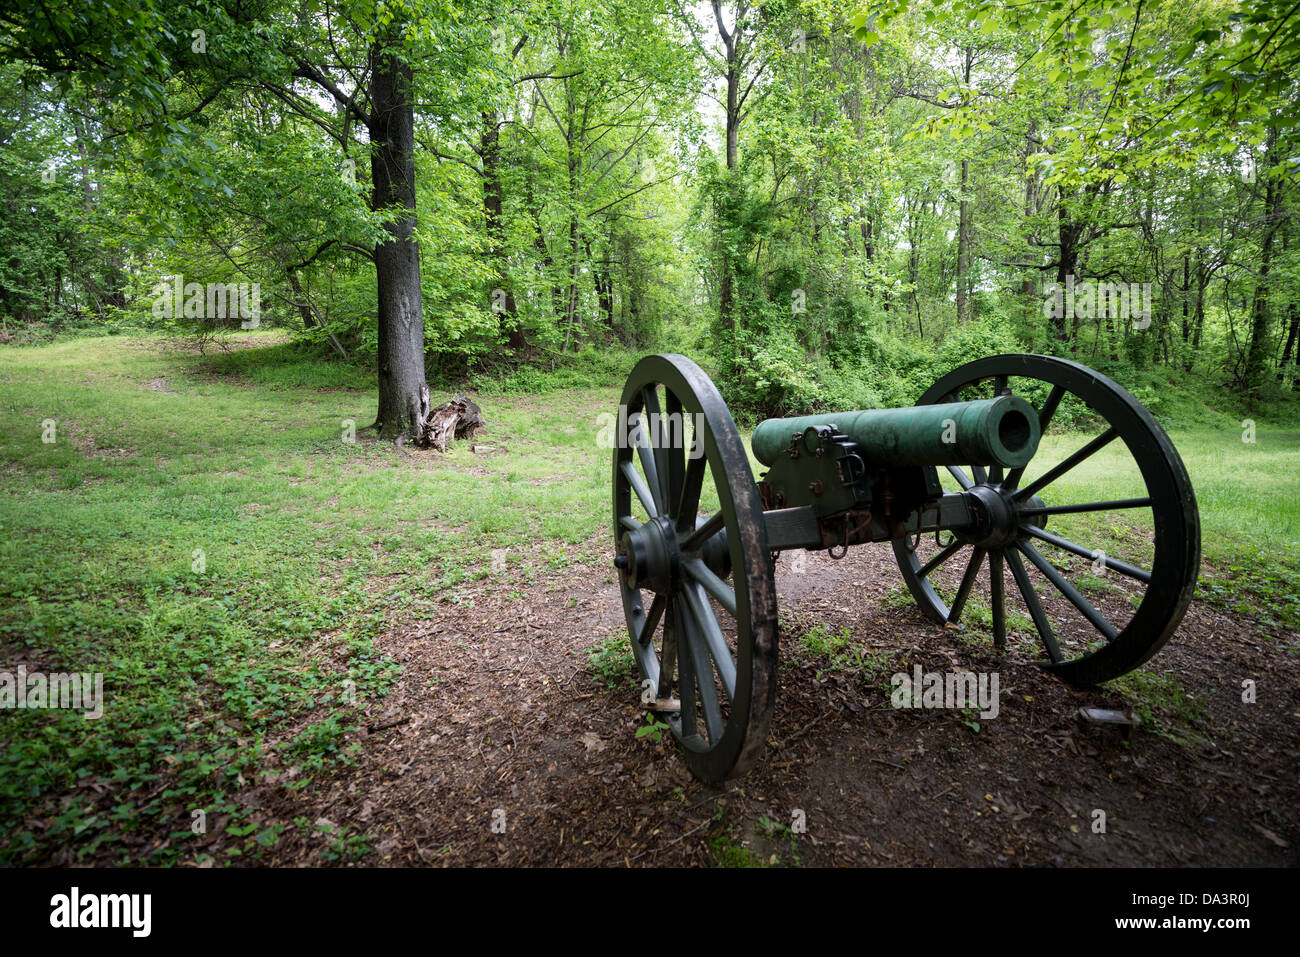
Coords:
824,201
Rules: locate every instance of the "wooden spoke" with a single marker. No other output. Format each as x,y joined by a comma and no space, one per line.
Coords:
697,645
1114,505
700,610
1124,568
674,455
939,559
1054,473
967,583
1068,590
647,455
685,672
1035,608
651,622
702,534
997,600
692,485
668,658
714,585
642,493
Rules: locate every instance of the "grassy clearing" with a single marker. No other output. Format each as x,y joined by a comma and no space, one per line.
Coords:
1250,513
1242,489
200,532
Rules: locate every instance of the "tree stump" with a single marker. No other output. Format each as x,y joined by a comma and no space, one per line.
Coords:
458,419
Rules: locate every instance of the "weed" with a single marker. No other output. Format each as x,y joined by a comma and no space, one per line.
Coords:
611,661
728,852
841,652
783,831
653,728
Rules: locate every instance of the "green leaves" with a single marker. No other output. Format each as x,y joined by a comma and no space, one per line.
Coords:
653,729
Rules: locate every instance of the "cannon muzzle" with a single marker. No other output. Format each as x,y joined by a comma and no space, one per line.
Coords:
1002,431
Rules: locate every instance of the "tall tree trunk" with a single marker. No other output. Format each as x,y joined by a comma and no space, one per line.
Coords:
572,295
867,224
1068,234
1028,285
735,66
1257,350
604,283
403,393
963,246
112,291
1293,328
963,220
543,261
726,290
913,264
1187,290
1198,314
573,140
493,210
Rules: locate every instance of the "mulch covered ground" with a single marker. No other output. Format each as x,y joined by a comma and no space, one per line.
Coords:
501,746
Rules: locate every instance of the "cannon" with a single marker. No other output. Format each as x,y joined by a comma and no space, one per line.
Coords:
1104,578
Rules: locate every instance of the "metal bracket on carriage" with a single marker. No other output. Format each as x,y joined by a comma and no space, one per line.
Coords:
852,467
849,528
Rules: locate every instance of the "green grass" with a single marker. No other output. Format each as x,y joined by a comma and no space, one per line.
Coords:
781,846
1164,706
977,619
728,852
289,366
200,533
1245,493
840,651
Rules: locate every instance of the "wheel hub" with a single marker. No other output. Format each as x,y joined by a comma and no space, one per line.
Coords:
997,516
651,556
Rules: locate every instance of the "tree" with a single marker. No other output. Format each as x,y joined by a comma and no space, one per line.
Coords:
168,83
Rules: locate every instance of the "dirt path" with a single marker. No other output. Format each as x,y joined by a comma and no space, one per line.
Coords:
500,720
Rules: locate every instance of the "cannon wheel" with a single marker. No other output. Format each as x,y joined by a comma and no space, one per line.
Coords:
700,606
1085,645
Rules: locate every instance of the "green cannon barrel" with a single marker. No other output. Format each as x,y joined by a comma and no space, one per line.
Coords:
1001,431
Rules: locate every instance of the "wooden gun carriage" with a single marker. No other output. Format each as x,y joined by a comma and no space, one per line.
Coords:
695,535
